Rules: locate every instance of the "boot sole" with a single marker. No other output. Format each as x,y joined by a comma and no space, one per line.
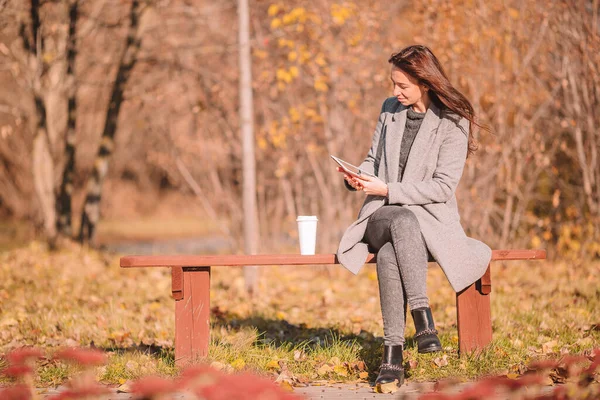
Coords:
430,350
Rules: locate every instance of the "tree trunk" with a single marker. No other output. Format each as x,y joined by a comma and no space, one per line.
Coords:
43,172
91,208
247,130
43,164
63,201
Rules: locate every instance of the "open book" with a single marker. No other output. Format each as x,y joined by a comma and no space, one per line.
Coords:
350,169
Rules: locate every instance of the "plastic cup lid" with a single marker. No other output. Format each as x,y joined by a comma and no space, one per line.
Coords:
307,218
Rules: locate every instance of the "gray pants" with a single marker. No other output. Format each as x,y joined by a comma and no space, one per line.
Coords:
393,232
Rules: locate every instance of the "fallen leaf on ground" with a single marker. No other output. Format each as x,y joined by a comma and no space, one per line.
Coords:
324,369
391,387
441,361
548,347
286,386
340,370
124,388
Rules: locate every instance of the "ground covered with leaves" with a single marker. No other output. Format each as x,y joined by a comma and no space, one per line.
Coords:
305,324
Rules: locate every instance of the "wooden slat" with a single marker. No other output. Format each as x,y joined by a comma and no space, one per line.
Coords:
498,255
284,259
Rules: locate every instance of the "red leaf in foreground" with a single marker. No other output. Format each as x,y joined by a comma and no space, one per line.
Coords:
22,355
81,392
18,370
82,356
481,390
543,364
17,392
515,384
434,396
570,360
559,393
198,375
242,387
152,385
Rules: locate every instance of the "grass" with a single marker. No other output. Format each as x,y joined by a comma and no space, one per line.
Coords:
313,323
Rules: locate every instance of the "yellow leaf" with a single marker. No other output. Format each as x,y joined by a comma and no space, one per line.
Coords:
512,375
324,369
321,86
294,115
273,9
238,364
391,387
262,143
288,19
340,370
276,23
292,56
372,276
320,60
304,56
294,71
514,13
286,386
273,364
260,54
363,375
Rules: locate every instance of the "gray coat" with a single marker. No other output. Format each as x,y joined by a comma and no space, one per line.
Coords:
433,170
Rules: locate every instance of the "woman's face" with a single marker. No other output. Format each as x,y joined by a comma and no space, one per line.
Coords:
407,89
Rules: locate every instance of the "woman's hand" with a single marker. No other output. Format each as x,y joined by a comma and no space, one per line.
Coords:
350,179
373,185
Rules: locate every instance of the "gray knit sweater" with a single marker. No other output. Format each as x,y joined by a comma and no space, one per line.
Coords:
413,123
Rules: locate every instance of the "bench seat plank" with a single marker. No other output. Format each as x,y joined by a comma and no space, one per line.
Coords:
282,259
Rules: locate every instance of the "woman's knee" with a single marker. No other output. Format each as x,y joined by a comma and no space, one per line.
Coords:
405,220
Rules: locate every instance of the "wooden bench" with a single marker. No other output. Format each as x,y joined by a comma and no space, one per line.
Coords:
190,280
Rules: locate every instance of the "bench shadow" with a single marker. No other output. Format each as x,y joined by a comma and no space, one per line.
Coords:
165,352
279,332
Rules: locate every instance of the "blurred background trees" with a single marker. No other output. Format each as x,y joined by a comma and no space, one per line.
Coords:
320,74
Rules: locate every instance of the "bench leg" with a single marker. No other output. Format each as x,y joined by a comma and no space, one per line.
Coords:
192,313
474,318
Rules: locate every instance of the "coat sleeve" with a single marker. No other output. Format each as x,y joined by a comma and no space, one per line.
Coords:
368,165
449,168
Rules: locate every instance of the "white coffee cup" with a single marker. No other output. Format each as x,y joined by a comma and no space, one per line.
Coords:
307,233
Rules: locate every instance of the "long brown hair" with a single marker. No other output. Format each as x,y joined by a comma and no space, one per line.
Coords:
420,63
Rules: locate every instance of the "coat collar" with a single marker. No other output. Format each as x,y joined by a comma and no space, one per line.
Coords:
420,146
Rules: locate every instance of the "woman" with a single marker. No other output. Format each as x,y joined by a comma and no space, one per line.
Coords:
410,213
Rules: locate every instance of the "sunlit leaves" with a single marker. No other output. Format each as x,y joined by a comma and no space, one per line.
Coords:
341,12
321,84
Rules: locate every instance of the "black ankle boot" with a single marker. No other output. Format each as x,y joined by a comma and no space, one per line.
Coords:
426,336
391,367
